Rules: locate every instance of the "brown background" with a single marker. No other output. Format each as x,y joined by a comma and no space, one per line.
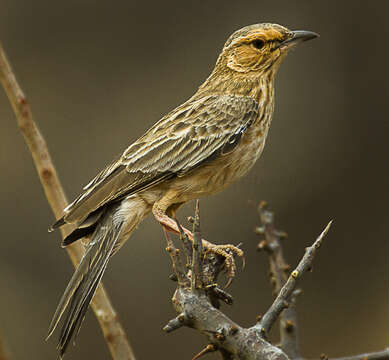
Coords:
99,73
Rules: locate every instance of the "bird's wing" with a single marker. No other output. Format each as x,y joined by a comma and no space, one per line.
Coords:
183,141
190,135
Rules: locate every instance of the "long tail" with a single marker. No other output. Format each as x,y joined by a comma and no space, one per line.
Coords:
83,284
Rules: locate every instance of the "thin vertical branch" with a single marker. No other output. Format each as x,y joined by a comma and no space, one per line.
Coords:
289,334
197,267
106,315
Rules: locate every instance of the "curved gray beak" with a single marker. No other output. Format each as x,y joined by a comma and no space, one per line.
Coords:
298,37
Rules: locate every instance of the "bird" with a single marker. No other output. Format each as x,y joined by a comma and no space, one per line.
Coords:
196,150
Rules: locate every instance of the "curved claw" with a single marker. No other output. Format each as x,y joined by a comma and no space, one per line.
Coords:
229,282
243,262
242,256
228,252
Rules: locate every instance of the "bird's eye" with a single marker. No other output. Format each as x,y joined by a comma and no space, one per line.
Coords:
258,44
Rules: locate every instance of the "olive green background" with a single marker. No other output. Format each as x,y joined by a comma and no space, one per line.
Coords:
99,73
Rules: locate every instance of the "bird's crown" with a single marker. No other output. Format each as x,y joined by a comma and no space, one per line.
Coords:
260,47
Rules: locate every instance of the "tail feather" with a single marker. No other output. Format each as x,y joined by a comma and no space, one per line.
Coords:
77,234
82,297
85,228
57,224
72,325
83,284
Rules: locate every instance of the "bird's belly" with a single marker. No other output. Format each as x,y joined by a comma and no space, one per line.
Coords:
220,173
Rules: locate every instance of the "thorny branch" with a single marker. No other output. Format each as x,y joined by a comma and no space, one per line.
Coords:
198,306
279,270
106,315
284,296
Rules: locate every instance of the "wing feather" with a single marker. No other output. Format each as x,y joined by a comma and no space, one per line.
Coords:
198,130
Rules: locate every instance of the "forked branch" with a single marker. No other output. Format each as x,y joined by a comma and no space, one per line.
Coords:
283,286
198,306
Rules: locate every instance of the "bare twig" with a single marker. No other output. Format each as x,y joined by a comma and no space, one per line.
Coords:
197,307
283,298
229,338
174,253
175,323
106,315
197,272
278,271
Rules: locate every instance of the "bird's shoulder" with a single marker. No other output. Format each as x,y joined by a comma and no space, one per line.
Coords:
203,121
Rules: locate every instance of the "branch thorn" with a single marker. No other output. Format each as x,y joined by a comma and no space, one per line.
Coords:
209,348
175,323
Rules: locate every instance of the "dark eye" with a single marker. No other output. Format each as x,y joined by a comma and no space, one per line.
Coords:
258,44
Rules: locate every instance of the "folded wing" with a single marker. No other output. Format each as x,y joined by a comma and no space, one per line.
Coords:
186,138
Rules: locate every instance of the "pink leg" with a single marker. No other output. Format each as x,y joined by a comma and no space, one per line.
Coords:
227,251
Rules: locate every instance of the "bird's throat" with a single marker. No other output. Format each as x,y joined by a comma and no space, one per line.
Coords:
258,86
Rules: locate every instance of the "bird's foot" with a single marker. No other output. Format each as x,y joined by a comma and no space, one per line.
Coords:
228,252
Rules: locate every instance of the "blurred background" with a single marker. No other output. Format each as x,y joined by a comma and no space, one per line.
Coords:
99,73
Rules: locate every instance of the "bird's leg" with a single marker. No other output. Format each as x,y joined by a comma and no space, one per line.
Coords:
227,251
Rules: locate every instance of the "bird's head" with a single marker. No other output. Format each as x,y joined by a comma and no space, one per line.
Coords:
259,48
250,58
